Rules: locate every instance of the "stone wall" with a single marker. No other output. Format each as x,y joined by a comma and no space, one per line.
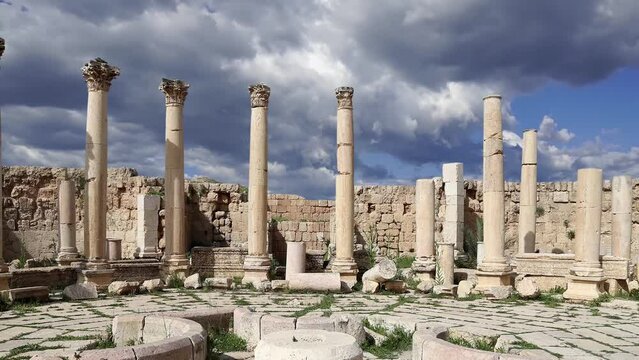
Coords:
217,214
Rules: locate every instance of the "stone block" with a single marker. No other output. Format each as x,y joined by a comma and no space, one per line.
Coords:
218,283
270,324
123,287
396,286
527,288
80,291
37,293
177,348
315,322
561,197
119,354
315,281
193,282
370,287
246,324
351,325
279,285
453,172
464,289
152,285
127,329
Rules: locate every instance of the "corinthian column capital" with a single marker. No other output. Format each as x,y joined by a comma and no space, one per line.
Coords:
98,74
259,95
1,46
175,91
344,96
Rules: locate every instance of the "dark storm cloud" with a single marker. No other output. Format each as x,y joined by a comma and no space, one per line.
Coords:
419,68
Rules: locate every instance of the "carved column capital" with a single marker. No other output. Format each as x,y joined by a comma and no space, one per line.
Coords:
175,91
259,95
1,46
98,74
344,96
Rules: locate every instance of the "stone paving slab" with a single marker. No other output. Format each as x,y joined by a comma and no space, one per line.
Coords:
570,330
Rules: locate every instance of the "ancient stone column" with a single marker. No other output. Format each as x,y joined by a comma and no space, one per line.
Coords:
453,178
344,189
5,277
257,263
494,270
424,264
586,275
66,215
621,216
446,264
175,259
528,193
147,228
295,258
98,75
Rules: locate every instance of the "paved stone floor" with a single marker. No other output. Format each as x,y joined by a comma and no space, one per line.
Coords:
571,331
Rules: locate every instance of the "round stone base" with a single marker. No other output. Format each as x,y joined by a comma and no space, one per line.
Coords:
308,344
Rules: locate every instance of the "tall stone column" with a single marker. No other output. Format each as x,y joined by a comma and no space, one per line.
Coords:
424,264
257,263
494,270
344,189
621,216
66,215
528,193
453,177
586,275
98,75
5,277
175,259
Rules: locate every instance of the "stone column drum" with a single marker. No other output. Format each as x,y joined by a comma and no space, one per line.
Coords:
175,260
98,75
494,269
453,177
344,189
257,262
424,264
586,276
295,258
5,276
446,264
621,216
66,212
147,228
528,193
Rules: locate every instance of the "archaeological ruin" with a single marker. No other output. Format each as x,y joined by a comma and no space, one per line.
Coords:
179,268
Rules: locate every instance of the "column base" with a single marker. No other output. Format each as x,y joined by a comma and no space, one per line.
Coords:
176,265
490,279
66,258
100,277
584,284
5,280
347,269
148,254
256,270
424,268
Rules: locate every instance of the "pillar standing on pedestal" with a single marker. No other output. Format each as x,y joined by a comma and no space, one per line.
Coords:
586,275
98,75
424,264
528,193
66,213
5,277
344,188
494,270
175,259
257,262
621,216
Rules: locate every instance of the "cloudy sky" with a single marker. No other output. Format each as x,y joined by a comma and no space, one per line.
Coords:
419,68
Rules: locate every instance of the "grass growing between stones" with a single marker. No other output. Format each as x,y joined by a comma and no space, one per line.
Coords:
103,342
396,341
27,348
478,344
221,341
175,282
404,261
551,300
324,304
401,300
521,344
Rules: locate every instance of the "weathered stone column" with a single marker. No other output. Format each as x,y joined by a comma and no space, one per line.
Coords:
66,215
344,189
621,216
295,258
147,228
424,264
5,277
446,265
175,259
494,270
528,193
453,177
257,262
98,75
586,275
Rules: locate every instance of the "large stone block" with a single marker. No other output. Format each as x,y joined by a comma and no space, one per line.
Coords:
247,325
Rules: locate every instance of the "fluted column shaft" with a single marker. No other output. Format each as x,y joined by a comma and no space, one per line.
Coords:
175,92
528,193
621,216
98,74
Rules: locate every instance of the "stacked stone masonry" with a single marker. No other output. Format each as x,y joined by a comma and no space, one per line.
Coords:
217,214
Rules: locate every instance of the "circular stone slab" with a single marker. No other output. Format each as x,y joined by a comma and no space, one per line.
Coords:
308,344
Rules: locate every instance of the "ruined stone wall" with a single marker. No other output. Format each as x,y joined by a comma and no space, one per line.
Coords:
217,214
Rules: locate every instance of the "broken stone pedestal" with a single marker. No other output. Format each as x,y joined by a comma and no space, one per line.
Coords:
100,277
309,344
